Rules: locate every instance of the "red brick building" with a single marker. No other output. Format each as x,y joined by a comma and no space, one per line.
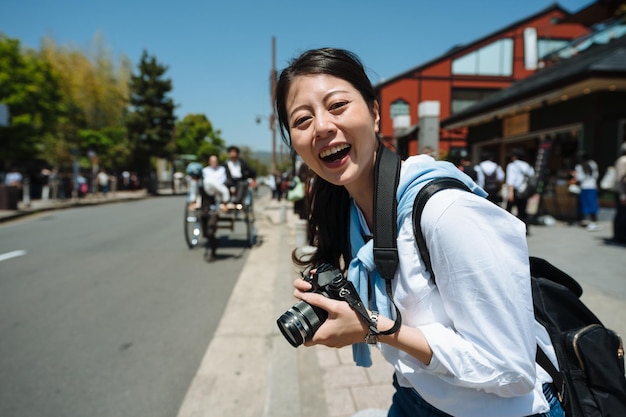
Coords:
463,76
575,102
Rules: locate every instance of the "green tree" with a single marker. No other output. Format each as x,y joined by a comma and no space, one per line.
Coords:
151,119
95,98
30,89
195,136
110,144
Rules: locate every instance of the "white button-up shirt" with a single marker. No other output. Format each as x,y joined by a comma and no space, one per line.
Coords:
478,316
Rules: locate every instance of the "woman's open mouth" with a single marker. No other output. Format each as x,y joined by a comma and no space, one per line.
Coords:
335,153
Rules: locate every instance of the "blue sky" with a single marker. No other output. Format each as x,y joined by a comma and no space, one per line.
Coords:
219,54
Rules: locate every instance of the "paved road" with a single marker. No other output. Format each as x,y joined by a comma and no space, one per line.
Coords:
104,311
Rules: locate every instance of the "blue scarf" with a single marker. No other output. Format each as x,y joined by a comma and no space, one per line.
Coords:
416,172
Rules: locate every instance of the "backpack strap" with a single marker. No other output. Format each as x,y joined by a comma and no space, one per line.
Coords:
558,382
422,197
386,172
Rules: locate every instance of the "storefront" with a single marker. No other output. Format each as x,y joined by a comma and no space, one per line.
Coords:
573,104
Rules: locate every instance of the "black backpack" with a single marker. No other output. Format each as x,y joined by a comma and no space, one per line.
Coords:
492,185
591,380
470,171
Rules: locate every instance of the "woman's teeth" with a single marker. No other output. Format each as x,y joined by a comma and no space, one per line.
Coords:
333,150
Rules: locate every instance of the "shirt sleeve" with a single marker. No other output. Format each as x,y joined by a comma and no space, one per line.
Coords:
500,173
480,176
510,175
480,262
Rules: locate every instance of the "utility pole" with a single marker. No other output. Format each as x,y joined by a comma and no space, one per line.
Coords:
273,96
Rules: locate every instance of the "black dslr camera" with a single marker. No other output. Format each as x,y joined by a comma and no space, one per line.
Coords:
301,321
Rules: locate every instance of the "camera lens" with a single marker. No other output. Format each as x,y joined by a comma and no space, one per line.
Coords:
300,322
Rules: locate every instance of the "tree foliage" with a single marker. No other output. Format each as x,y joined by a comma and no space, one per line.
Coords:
65,103
95,96
92,83
30,89
151,119
195,136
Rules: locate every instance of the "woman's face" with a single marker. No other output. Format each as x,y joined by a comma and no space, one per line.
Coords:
333,129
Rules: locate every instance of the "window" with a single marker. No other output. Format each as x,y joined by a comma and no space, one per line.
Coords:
464,98
546,46
493,59
604,34
399,108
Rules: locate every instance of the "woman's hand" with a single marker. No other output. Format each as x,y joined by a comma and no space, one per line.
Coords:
342,327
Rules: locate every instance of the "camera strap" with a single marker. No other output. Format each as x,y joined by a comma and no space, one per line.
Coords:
354,301
386,172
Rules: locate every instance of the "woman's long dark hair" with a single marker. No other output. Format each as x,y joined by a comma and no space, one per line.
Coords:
329,205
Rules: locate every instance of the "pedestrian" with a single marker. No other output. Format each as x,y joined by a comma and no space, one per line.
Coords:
586,175
14,178
301,180
518,174
275,182
490,177
45,177
125,180
465,165
466,345
619,221
103,182
83,185
238,172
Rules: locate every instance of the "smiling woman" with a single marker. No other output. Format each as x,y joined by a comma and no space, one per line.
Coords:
464,346
333,129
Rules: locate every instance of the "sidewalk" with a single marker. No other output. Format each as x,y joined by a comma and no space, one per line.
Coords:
37,206
249,368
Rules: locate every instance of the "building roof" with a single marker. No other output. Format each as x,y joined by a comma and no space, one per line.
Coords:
598,11
455,50
599,62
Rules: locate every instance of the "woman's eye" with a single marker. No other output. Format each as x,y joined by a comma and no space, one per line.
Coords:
338,105
300,120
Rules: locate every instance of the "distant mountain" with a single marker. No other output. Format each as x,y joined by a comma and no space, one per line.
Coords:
264,157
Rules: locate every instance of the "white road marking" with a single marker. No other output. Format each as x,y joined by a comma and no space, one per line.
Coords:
14,254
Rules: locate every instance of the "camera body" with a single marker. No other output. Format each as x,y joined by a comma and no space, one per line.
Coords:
330,282
301,321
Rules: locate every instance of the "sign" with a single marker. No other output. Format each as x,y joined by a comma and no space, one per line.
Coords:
516,125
